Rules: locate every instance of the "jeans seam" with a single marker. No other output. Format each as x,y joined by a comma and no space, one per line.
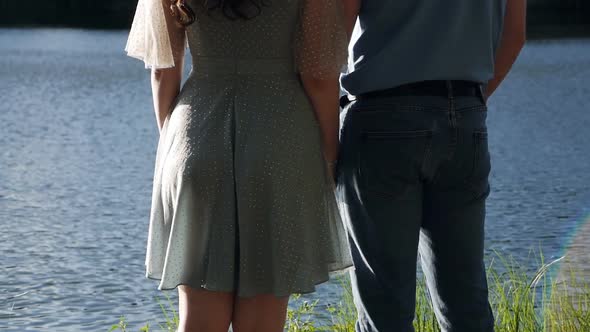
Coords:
426,158
476,158
380,108
393,135
482,108
383,107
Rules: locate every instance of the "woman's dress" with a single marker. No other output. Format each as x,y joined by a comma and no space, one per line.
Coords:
242,200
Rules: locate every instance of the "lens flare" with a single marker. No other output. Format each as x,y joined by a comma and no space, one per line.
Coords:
577,252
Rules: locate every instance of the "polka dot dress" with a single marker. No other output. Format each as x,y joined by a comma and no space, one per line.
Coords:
242,200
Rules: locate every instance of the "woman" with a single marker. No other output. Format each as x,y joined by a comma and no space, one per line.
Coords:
243,212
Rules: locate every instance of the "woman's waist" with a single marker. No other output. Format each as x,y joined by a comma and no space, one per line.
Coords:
216,84
244,66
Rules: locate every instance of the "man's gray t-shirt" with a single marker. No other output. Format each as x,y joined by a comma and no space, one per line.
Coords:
402,41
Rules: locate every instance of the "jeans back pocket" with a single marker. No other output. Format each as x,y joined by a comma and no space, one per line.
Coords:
390,161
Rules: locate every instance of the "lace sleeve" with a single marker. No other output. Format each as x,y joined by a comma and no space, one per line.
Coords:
155,37
321,40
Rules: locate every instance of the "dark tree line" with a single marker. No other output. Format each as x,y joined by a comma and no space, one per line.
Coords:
107,14
117,14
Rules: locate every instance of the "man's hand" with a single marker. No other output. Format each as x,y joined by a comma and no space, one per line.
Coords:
511,42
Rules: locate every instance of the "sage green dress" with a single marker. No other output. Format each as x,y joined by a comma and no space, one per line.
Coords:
242,200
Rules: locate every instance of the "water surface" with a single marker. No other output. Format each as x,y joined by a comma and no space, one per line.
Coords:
77,146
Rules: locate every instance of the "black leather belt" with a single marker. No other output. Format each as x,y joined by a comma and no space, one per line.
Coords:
424,88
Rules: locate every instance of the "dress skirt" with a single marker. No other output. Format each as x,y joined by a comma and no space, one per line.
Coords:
242,201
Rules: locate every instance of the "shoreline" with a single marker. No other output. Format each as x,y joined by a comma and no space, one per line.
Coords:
539,32
555,31
546,19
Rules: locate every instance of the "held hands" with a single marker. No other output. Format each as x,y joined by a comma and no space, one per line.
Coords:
331,148
331,167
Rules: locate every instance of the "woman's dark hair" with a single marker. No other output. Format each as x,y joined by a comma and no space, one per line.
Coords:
232,9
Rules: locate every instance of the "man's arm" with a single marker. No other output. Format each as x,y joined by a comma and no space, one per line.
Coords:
351,11
511,42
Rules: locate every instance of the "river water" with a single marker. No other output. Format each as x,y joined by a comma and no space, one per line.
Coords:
77,145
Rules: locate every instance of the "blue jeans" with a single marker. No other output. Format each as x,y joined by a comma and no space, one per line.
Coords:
413,178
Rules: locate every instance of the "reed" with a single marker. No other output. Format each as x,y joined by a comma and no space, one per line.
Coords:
521,301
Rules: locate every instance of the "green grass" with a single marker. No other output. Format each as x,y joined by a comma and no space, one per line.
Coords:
522,302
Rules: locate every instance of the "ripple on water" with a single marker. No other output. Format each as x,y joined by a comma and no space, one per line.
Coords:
78,142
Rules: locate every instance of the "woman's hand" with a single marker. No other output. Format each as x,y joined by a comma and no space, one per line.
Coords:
324,95
331,146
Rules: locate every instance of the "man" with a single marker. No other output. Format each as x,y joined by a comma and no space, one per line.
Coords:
414,164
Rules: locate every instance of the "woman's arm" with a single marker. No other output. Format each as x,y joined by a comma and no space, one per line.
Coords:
324,94
511,42
351,12
166,82
165,88
322,46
